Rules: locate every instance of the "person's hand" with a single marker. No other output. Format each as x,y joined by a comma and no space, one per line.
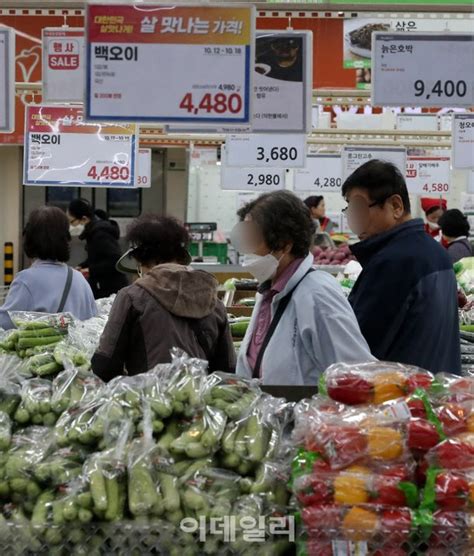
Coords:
84,271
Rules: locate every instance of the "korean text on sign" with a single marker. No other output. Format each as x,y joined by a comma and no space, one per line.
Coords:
62,149
170,64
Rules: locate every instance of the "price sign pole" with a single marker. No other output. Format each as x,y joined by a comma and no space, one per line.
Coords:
322,173
61,149
7,80
463,141
266,151
188,64
423,69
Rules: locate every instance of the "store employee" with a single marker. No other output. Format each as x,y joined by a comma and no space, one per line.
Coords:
302,322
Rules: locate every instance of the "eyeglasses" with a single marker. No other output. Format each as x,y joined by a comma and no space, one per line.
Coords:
362,207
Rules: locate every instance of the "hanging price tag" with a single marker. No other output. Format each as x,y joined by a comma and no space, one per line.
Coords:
322,173
63,65
463,140
353,157
252,179
266,150
170,63
417,122
428,175
143,173
7,80
422,69
60,149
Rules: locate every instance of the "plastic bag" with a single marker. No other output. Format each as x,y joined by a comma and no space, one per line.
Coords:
233,395
455,453
35,406
60,467
74,386
74,425
5,431
372,383
448,490
10,388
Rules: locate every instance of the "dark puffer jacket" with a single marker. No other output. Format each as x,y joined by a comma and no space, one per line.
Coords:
103,252
406,299
172,306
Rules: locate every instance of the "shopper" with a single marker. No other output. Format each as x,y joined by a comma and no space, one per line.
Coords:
49,285
434,210
317,207
455,229
103,250
102,215
302,322
406,297
171,305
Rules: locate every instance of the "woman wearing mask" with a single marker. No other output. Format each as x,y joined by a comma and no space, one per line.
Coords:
170,305
49,285
434,210
455,229
102,246
317,207
302,323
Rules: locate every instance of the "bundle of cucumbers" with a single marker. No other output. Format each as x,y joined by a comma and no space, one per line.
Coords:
79,457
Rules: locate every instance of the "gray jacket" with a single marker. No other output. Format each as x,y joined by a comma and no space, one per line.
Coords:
317,329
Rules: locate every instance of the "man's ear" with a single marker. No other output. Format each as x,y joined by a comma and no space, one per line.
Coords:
397,206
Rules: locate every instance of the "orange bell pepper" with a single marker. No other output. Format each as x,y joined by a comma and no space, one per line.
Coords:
389,386
384,443
350,487
359,524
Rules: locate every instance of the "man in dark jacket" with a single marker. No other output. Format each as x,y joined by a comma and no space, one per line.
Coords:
171,305
406,296
102,246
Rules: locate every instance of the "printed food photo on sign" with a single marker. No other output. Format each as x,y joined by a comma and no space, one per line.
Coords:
282,82
358,41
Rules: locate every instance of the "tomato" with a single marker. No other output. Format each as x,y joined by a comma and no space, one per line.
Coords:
421,435
396,526
350,389
454,419
456,453
419,380
452,491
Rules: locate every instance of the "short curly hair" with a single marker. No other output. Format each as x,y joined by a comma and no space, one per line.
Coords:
159,240
283,218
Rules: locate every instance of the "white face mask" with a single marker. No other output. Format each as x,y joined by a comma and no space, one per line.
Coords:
263,268
77,230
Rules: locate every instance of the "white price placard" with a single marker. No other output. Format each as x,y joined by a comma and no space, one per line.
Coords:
62,149
7,80
463,140
322,173
417,122
428,175
353,157
165,63
143,172
283,82
252,179
266,150
63,63
423,69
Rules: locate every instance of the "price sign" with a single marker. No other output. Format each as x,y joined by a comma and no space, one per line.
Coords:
7,80
143,173
322,173
428,175
169,63
252,179
463,140
283,82
417,122
61,149
266,151
353,157
63,65
423,69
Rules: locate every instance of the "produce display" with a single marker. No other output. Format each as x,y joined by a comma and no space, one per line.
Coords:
79,457
333,256
385,463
